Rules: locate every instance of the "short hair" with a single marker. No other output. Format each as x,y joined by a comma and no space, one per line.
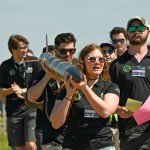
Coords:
50,48
64,38
117,30
14,40
30,51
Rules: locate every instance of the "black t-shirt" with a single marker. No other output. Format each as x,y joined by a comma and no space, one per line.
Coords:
88,131
133,79
9,73
50,135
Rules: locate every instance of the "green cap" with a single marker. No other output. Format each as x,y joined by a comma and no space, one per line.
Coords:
141,19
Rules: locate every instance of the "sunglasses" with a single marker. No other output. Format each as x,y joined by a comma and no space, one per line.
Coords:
118,41
109,51
93,59
132,29
64,51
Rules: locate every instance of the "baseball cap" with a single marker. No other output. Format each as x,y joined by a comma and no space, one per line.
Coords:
107,44
141,19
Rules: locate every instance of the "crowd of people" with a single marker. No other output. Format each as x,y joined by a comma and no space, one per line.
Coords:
46,111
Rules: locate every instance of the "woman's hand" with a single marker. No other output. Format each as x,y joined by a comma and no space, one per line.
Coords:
69,87
81,85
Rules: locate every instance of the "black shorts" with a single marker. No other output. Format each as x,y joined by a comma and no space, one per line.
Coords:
21,129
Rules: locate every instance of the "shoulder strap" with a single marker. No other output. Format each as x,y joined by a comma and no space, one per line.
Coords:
46,104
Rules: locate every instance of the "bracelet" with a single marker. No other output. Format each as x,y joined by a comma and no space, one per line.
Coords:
21,91
69,99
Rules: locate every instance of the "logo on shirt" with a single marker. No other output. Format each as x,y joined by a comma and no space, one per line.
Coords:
126,68
29,70
12,72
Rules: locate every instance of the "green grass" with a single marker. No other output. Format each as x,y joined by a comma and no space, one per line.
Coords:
3,137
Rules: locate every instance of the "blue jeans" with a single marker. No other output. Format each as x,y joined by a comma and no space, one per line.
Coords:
106,148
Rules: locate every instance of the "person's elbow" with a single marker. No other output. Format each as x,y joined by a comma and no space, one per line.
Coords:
108,112
56,122
105,114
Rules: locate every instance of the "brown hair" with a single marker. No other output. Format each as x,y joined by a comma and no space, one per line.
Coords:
64,38
117,30
86,50
14,40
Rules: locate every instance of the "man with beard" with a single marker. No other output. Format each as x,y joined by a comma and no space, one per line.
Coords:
131,72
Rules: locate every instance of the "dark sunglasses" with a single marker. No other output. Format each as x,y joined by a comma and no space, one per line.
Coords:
64,51
93,59
132,29
109,51
118,41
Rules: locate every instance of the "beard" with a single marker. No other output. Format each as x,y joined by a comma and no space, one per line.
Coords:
137,41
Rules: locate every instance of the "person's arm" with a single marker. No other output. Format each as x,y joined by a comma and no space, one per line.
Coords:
38,105
18,90
6,91
59,112
3,100
60,109
13,89
105,107
35,91
3,80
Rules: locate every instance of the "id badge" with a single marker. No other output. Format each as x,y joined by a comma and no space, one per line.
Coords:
138,71
90,113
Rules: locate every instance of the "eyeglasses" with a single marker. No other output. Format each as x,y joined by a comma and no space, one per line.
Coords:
93,59
64,51
132,29
118,41
109,51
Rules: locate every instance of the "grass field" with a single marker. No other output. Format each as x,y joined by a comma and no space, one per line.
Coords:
3,137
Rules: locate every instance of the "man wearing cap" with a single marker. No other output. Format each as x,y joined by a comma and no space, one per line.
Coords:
118,37
109,51
131,72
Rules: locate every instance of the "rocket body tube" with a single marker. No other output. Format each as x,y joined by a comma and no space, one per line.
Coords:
60,67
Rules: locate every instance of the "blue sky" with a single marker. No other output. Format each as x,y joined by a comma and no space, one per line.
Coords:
89,20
